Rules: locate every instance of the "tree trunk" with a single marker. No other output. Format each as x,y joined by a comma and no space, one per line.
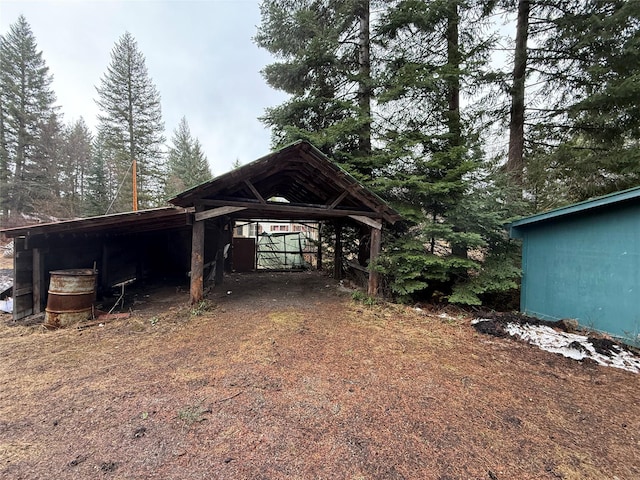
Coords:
364,82
453,78
515,160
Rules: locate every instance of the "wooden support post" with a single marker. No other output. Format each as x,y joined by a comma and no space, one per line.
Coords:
222,241
337,258
38,280
319,253
228,262
197,260
104,274
374,277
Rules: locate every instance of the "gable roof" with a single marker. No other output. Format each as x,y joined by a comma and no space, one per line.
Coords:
314,187
580,208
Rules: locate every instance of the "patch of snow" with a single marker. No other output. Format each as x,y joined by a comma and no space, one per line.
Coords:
565,344
6,305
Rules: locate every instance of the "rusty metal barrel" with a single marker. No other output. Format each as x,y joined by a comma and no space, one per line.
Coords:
71,297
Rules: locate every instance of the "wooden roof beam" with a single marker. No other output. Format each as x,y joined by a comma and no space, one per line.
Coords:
217,212
284,208
367,221
254,191
338,199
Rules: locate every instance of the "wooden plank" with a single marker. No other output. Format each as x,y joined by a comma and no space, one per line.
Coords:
285,208
319,252
254,191
367,221
340,197
217,212
22,292
38,280
374,277
22,279
337,257
197,262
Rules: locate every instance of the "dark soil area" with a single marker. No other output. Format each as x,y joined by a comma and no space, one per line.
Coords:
287,378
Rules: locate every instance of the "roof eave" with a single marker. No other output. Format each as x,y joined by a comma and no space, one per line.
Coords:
576,208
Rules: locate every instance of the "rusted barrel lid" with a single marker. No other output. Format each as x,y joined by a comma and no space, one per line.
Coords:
74,271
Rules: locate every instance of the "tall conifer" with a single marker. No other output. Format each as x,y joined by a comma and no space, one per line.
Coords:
187,163
130,122
27,111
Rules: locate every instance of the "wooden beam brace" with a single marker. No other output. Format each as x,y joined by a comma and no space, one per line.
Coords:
367,221
255,191
338,200
217,212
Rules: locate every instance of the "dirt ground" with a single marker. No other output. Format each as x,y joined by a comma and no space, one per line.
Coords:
292,379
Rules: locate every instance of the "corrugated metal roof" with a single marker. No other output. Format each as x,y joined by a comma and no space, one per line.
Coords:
578,208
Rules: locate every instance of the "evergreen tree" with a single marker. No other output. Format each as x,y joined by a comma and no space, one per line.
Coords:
27,117
187,163
42,173
131,124
436,52
323,48
101,185
427,155
75,159
594,126
4,156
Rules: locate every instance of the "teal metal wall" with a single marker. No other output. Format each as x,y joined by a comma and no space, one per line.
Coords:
585,266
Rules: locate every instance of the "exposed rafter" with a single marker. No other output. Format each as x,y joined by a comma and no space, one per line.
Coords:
315,187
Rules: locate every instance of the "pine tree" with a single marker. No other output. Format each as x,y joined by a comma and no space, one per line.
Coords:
75,159
434,53
187,163
27,104
402,93
323,48
101,185
596,64
4,156
42,173
131,124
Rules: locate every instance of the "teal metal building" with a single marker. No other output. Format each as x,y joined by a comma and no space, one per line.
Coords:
583,262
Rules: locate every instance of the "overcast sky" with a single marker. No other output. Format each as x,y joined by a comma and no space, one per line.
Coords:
199,54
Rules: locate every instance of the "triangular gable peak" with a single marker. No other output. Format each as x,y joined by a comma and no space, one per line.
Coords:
312,186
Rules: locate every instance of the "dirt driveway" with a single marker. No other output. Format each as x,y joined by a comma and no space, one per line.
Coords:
293,380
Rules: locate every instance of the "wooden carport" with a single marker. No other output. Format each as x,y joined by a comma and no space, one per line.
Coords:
121,246
313,187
